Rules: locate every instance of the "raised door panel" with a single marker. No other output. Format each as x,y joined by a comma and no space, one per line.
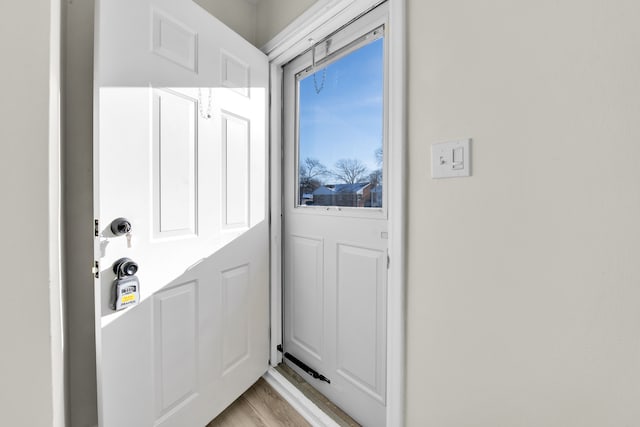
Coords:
174,41
235,171
175,177
235,317
177,339
235,74
305,317
361,306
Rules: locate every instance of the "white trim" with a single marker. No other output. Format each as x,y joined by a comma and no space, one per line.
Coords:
56,293
316,15
375,19
275,229
396,295
320,20
316,23
305,407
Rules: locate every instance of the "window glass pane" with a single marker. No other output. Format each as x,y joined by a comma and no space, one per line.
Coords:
341,131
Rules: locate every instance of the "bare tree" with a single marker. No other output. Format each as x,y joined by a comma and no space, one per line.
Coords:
379,156
375,177
350,171
311,170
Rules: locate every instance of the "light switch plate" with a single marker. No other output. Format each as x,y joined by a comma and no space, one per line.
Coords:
451,159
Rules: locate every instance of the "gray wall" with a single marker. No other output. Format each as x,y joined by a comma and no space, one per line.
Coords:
239,15
275,15
258,21
524,279
78,185
31,358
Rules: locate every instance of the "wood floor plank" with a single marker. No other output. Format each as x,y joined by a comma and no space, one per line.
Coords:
334,412
272,407
260,406
239,414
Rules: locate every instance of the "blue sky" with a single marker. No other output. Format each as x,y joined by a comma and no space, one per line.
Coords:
344,120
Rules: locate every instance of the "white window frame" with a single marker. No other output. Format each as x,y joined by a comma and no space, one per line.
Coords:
319,21
376,19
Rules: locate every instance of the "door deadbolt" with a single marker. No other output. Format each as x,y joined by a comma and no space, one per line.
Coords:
120,226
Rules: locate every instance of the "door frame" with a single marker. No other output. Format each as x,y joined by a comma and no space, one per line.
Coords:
320,20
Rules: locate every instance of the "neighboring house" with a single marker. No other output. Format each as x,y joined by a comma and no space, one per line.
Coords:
352,195
375,200
307,199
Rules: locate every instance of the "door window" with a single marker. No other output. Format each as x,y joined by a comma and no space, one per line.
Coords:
340,125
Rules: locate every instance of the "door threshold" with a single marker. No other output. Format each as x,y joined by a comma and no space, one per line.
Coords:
300,382
311,406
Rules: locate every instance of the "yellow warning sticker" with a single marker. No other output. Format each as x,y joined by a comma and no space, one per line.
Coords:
127,298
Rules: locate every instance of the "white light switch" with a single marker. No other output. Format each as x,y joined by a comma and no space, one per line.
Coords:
451,159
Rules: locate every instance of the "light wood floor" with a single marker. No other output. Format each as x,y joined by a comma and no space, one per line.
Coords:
260,406
328,407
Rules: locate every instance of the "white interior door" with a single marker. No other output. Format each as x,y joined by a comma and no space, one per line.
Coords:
335,217
180,151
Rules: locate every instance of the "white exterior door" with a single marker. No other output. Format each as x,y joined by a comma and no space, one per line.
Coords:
335,217
180,151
